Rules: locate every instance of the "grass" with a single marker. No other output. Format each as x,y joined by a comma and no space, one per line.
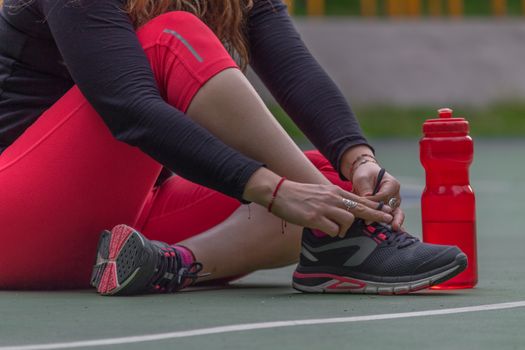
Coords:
352,8
505,119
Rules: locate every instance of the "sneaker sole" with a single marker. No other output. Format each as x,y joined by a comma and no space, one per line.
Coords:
118,260
330,283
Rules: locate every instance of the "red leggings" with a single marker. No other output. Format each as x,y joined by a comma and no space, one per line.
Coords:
66,178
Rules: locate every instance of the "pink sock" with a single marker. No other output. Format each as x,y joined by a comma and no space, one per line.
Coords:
186,255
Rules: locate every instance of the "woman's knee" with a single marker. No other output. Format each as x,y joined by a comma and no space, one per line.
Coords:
184,54
178,27
325,167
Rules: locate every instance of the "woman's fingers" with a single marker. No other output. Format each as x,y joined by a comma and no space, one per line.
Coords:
327,226
395,202
326,207
366,209
399,218
364,201
344,218
389,194
389,188
333,220
368,214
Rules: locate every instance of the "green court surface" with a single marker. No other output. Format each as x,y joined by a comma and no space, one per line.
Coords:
255,305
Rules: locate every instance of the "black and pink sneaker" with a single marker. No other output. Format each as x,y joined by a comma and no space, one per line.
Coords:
128,263
373,259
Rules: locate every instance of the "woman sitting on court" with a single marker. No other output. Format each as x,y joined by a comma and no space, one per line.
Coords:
97,96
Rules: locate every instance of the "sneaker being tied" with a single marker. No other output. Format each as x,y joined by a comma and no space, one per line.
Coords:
373,259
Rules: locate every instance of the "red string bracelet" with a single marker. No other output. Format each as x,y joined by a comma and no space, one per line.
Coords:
275,193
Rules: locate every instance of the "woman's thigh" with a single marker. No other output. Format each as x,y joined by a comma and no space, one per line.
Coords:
62,182
67,178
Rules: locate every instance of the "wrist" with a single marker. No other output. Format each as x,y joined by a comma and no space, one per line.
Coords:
351,159
260,186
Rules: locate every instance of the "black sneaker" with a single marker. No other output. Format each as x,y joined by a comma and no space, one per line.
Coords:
373,259
128,263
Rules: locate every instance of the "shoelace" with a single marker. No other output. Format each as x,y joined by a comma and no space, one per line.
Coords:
171,275
402,239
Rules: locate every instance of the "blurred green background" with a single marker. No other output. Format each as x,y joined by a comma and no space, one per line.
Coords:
353,7
497,118
505,119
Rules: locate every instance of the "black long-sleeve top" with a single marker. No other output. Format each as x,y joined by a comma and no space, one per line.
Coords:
47,46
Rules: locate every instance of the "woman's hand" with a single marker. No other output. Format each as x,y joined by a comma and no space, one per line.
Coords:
364,179
315,206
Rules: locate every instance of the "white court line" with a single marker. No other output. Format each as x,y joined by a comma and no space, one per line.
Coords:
262,325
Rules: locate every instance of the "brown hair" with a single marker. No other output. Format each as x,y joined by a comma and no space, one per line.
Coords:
227,19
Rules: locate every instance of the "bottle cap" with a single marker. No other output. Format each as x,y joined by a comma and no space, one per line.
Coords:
445,113
446,124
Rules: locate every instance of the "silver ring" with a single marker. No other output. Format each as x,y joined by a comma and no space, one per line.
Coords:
350,204
392,202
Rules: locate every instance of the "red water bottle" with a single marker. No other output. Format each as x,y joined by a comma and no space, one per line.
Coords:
448,203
